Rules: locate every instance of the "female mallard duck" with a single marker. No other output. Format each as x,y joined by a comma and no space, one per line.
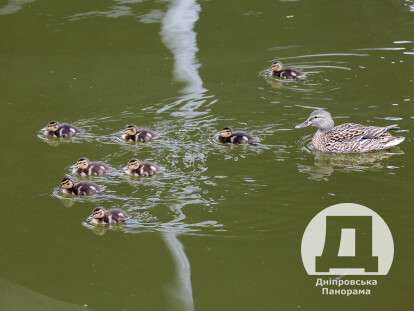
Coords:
140,168
279,70
56,129
84,167
133,133
102,216
227,136
348,137
69,186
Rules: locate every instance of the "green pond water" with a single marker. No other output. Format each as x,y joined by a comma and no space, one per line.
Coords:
221,227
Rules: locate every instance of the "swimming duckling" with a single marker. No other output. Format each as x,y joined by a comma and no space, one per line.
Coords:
56,129
348,137
133,133
140,168
84,167
227,135
69,186
104,216
278,70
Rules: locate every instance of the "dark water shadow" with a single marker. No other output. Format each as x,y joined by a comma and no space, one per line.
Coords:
15,297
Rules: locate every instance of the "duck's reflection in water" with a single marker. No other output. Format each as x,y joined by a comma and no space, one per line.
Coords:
325,164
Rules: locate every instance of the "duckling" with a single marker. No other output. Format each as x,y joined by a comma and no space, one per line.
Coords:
140,168
84,167
348,137
278,70
102,216
56,129
227,135
133,133
69,186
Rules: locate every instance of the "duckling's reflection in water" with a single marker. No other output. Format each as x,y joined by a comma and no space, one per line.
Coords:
101,230
275,83
278,84
325,164
67,202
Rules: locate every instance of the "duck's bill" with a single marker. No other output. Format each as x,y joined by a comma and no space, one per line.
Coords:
302,125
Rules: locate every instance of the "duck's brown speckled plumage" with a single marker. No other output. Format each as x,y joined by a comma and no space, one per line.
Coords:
84,167
94,169
60,130
102,216
136,134
348,137
141,168
227,136
69,186
280,71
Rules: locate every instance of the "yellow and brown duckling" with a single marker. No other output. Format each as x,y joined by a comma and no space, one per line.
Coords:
69,186
84,167
61,130
282,72
136,134
102,216
136,167
227,136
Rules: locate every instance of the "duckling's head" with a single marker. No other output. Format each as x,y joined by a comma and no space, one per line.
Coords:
82,163
67,182
226,132
276,66
53,126
320,119
98,213
131,130
133,164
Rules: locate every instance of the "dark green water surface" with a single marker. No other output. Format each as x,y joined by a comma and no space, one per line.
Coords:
220,228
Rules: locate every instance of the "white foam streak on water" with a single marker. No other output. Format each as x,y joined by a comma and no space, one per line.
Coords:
325,55
325,66
183,289
381,49
177,32
402,42
13,6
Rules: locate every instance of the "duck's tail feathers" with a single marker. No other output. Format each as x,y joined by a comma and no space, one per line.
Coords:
394,142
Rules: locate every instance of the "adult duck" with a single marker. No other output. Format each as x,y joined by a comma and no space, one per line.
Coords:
348,137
